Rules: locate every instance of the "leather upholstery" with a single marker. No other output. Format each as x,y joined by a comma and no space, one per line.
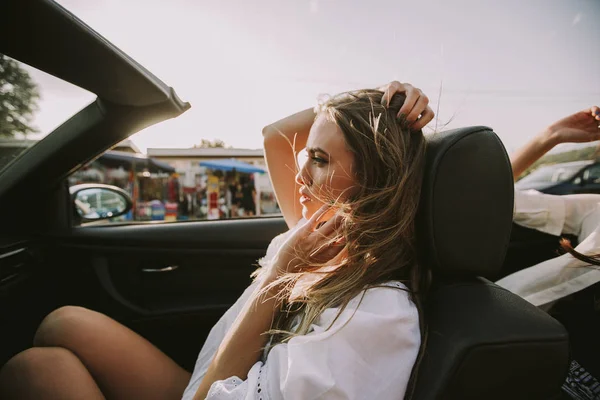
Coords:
466,207
487,343
483,342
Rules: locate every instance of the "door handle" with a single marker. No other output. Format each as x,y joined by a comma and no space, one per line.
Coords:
165,269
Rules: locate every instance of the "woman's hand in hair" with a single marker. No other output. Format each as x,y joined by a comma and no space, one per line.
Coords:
415,109
312,244
581,127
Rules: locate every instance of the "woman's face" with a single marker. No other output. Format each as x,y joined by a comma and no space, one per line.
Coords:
325,168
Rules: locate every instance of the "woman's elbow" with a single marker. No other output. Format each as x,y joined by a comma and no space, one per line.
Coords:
270,138
267,131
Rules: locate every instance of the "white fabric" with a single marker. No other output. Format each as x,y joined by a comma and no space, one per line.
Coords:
542,212
367,353
551,280
217,333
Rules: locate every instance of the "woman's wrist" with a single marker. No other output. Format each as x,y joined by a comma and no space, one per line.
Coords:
548,138
267,289
533,150
275,270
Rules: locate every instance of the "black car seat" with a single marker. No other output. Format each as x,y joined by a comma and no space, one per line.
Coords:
483,341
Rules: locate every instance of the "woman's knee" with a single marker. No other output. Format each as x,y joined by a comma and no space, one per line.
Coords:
31,365
47,372
30,360
62,326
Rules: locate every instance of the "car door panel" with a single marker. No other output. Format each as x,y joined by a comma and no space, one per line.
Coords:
199,280
211,263
18,263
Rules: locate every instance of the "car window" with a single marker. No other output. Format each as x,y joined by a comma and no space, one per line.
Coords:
209,181
592,174
32,104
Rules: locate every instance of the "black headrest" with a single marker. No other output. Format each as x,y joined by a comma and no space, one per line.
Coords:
465,215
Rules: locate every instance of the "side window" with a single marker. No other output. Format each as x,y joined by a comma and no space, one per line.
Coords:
29,110
207,181
592,174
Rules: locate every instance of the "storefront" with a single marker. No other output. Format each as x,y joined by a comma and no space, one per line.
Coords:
231,190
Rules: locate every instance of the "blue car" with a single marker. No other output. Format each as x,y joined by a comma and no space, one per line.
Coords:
564,178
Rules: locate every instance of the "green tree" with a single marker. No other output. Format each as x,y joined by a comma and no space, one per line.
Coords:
18,99
210,144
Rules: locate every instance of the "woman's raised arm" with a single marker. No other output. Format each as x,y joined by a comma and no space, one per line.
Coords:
580,127
282,142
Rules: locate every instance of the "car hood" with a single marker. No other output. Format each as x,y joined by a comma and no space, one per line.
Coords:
536,185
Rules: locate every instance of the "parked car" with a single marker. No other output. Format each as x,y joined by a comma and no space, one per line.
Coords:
564,178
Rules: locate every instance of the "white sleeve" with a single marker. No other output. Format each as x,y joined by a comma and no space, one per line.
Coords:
555,214
368,353
578,209
543,212
556,278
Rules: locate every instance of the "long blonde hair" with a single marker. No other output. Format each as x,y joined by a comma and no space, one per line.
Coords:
378,221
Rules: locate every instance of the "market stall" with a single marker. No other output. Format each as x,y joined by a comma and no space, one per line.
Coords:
231,188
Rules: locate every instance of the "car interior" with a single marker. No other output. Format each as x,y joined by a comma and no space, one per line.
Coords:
171,282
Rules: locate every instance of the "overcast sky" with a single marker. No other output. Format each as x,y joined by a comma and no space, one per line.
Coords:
514,65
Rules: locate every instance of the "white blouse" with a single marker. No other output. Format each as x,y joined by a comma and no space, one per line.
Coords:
367,353
577,214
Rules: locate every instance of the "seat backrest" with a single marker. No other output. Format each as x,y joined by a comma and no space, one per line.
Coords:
483,342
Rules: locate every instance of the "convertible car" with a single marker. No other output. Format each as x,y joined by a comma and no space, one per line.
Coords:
170,282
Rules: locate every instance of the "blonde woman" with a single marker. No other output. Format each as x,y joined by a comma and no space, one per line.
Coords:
334,309
336,294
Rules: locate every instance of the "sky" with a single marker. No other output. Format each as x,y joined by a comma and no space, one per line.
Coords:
513,65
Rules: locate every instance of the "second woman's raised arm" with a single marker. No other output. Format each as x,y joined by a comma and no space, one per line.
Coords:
580,127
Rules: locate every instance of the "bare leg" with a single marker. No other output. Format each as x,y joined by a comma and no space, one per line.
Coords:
47,373
123,364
